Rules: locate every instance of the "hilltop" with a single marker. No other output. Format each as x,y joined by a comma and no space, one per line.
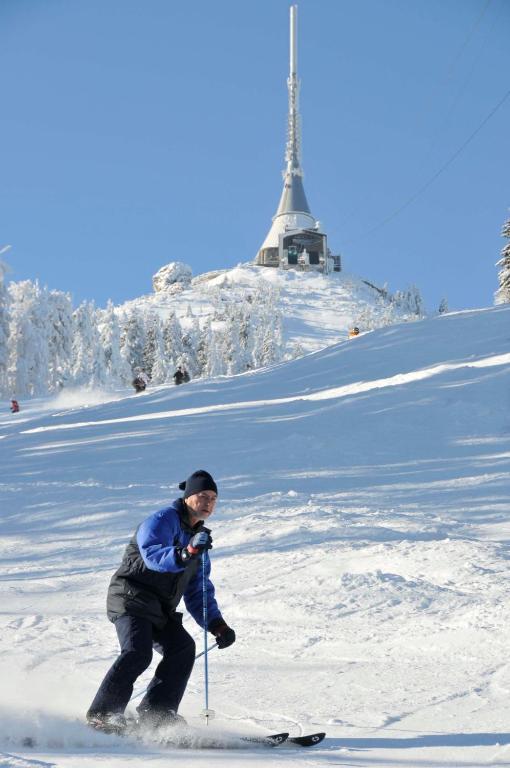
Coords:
218,323
316,309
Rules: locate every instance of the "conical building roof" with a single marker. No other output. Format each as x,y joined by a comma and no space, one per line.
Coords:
293,195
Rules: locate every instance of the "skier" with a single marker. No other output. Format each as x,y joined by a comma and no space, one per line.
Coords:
140,382
14,406
163,562
354,332
181,376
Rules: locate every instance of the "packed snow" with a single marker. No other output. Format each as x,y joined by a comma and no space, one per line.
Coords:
361,549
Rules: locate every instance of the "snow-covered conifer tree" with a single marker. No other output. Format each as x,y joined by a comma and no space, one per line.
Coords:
20,340
162,370
272,340
4,328
211,347
224,351
367,319
151,321
190,341
203,347
232,349
132,341
383,314
29,336
297,350
409,301
443,306
88,367
243,318
60,329
502,295
416,302
217,337
268,322
117,370
154,361
172,343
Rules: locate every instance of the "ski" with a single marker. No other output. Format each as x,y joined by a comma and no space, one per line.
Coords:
270,740
276,739
191,738
309,740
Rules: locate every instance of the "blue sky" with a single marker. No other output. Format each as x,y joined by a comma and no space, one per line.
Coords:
137,133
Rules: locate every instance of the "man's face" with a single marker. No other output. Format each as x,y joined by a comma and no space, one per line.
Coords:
201,504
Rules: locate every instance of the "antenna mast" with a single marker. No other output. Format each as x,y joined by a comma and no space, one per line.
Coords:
294,240
293,150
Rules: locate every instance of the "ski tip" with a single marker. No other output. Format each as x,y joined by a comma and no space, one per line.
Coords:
277,738
310,740
271,740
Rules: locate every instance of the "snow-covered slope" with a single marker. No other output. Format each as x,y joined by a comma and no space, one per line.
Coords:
317,310
361,551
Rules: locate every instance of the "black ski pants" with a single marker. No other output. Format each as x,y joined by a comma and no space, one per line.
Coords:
137,637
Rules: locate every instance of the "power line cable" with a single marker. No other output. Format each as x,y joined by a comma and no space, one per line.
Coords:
437,174
460,91
467,40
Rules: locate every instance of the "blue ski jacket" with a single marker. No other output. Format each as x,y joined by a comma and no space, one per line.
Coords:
152,579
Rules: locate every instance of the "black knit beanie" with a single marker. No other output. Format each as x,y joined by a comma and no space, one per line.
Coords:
197,482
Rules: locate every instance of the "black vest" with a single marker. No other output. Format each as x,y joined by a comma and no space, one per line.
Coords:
138,591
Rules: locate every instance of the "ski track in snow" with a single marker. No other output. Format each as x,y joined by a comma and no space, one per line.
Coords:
361,552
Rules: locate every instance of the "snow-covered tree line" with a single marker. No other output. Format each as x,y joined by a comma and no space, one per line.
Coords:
46,344
4,328
502,295
390,308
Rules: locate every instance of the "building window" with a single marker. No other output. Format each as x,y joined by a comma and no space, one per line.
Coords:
292,256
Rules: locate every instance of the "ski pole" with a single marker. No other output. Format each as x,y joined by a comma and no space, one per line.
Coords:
208,713
211,648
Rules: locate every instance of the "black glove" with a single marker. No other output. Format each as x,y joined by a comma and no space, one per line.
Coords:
200,542
224,634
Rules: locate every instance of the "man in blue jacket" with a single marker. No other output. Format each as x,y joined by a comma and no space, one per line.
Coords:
162,563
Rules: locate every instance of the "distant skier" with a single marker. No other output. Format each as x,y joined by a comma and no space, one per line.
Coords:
181,376
140,382
162,563
14,406
354,332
